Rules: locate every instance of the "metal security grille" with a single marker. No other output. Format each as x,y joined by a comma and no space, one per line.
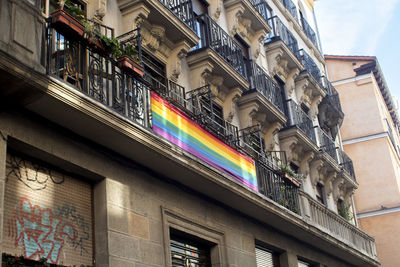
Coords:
266,258
186,253
303,264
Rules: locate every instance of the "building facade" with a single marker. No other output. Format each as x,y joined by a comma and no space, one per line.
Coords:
215,144
370,135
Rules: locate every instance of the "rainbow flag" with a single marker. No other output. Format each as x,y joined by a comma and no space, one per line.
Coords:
178,128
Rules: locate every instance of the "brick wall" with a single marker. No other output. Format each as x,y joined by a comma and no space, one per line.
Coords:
47,214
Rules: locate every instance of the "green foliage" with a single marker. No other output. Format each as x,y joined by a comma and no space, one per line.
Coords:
344,211
130,51
285,168
111,45
75,11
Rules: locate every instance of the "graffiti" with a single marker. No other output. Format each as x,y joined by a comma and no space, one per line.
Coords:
69,213
39,232
30,174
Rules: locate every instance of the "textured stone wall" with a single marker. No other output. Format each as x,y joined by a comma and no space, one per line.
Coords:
47,214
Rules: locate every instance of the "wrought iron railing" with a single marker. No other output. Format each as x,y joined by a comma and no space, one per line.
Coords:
311,67
309,32
280,31
265,85
300,119
98,76
262,8
327,145
201,107
214,37
347,164
251,141
274,186
275,159
332,94
291,7
183,9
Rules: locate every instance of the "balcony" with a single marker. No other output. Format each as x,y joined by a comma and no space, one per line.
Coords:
291,7
273,185
173,20
182,9
282,50
327,145
309,32
312,68
265,94
347,164
330,114
299,119
248,19
261,7
93,73
334,225
281,32
219,52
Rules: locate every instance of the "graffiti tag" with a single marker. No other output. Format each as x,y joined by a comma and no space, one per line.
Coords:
40,233
69,212
32,175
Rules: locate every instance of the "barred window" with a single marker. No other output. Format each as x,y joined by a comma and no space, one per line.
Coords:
189,251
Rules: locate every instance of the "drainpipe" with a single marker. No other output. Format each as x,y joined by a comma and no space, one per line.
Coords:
316,28
354,210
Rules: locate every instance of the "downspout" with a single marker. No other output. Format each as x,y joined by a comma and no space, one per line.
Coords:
354,211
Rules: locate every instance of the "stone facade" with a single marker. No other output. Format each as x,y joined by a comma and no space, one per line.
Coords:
141,193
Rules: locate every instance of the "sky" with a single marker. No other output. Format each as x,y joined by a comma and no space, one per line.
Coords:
363,28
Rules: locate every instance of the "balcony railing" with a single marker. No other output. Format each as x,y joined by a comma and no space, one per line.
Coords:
274,186
200,106
311,67
347,164
265,85
214,37
298,118
309,32
275,159
251,141
280,31
327,145
333,224
98,76
182,9
262,8
291,7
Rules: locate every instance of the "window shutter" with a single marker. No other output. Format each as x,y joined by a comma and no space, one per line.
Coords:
264,258
303,264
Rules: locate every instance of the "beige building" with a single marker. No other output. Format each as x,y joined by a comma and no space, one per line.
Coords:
370,135
171,133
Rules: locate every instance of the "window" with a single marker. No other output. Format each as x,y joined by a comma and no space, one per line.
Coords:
154,72
320,193
266,258
189,251
191,244
303,264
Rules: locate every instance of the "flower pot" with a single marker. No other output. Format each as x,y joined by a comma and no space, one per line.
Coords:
97,47
129,65
291,179
67,25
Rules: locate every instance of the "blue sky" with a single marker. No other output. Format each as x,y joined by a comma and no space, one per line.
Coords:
363,28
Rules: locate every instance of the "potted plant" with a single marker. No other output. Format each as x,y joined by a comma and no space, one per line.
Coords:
344,211
290,175
69,23
126,60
